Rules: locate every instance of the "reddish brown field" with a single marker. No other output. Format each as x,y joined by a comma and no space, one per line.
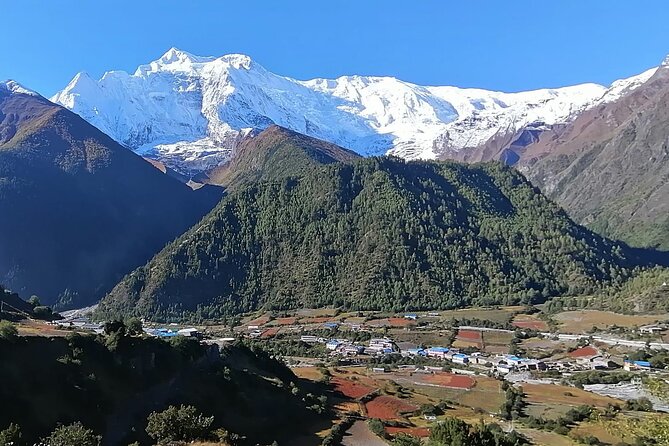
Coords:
270,332
400,322
450,380
286,320
386,407
470,335
532,325
584,352
350,388
262,320
420,432
316,320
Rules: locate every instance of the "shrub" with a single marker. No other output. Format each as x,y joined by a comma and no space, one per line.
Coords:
8,331
134,327
640,404
11,435
183,423
376,426
72,435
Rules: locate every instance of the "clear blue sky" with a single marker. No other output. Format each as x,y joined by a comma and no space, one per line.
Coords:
504,45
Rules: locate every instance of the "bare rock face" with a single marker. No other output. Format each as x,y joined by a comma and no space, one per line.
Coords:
610,166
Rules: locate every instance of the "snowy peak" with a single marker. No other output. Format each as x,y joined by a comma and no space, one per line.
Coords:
190,111
665,62
12,87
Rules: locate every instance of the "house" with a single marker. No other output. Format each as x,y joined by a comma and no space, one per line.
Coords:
636,365
513,360
411,316
437,352
379,370
651,329
352,350
460,358
332,344
189,332
503,369
416,352
309,339
380,343
429,417
331,325
161,332
479,359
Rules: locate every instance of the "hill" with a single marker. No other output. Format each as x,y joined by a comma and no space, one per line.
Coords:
378,233
79,211
112,383
274,153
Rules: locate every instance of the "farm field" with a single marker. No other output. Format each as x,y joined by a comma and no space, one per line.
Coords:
529,321
36,328
310,373
385,407
501,315
567,396
578,322
350,388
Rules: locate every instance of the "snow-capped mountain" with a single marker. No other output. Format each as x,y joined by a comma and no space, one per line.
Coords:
190,111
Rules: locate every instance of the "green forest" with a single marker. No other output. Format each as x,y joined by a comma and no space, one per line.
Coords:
375,234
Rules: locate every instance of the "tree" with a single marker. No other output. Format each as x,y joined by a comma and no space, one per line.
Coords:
377,427
34,301
10,436
183,423
115,327
72,435
452,432
640,404
134,326
406,440
8,331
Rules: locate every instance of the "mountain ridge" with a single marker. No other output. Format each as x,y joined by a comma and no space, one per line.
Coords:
206,103
80,210
374,234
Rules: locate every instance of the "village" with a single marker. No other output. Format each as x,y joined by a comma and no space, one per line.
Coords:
394,367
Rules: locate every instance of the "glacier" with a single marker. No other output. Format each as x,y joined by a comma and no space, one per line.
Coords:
190,111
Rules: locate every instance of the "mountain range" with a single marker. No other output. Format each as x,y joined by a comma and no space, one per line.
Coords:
307,220
191,113
79,211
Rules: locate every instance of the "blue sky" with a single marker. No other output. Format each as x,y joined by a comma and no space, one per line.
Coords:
503,45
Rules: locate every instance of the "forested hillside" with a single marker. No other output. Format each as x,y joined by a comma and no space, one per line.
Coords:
274,153
111,383
379,233
77,210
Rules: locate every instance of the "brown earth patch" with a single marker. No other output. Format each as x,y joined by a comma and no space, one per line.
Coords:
420,432
386,407
470,335
351,389
450,380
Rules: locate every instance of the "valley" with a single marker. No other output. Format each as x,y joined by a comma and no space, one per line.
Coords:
386,375
355,224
